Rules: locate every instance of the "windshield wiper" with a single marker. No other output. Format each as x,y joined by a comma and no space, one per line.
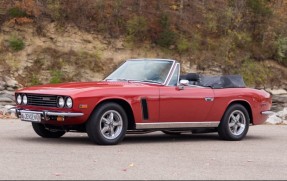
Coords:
131,80
118,79
150,81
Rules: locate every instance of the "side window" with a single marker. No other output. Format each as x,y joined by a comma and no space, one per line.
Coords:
174,78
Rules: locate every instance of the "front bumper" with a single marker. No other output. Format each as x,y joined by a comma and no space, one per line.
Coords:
45,114
268,113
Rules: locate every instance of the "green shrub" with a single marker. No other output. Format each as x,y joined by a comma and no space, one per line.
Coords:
259,7
35,80
166,37
16,44
55,9
281,52
195,42
137,28
241,39
164,21
182,45
57,77
254,73
211,22
91,61
16,12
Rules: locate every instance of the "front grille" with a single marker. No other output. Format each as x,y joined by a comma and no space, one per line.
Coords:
42,100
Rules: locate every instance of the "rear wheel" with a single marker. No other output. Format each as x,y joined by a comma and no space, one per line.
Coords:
108,124
42,131
235,123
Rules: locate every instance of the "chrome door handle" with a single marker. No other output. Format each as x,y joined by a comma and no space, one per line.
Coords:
209,99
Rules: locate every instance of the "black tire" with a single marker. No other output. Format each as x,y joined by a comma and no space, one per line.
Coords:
98,123
238,116
45,133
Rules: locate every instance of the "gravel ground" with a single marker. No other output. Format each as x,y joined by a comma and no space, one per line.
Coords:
24,155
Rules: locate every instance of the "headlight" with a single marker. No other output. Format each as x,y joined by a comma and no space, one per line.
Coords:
19,99
69,102
61,102
25,99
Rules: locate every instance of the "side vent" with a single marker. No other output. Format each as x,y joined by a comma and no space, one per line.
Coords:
144,108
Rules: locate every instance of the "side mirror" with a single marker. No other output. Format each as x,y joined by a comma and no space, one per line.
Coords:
184,82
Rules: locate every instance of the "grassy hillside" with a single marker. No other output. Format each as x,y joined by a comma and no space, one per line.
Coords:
85,39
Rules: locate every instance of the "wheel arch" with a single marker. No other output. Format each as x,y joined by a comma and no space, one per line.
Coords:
244,104
125,105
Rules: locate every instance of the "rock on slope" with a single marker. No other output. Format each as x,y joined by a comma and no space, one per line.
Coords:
7,100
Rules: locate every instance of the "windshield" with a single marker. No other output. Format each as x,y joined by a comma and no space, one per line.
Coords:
142,70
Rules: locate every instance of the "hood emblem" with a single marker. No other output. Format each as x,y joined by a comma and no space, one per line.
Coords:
46,98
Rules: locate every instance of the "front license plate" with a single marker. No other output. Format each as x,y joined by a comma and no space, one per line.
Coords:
31,117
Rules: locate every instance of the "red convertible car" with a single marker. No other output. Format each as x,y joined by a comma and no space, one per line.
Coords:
144,95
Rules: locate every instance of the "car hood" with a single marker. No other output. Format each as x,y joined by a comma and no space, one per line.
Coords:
77,87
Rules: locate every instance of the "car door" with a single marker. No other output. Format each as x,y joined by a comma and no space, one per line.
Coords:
191,104
184,103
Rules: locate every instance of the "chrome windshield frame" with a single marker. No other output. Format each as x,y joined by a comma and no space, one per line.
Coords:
173,71
167,79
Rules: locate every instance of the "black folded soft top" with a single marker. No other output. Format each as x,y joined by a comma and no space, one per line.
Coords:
215,82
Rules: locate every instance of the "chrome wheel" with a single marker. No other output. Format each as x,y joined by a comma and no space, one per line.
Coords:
234,124
237,122
111,124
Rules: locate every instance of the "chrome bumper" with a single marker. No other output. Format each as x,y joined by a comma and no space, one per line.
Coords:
267,113
45,114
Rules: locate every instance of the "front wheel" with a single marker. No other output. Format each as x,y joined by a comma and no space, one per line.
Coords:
108,124
42,131
234,124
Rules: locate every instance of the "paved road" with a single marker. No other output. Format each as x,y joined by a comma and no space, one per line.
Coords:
24,155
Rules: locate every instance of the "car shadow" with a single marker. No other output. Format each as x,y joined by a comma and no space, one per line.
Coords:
152,138
135,139
63,140
257,137
204,137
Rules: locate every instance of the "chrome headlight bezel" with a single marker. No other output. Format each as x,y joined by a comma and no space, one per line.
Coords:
19,99
60,102
24,99
69,102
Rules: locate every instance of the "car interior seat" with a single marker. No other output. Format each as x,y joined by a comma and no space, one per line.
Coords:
193,78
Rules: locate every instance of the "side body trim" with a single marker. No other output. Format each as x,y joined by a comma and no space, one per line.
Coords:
165,125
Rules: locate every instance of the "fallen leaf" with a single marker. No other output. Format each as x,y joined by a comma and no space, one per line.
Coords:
57,174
